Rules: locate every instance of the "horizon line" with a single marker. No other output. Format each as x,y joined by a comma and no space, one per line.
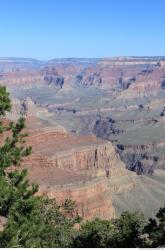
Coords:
74,58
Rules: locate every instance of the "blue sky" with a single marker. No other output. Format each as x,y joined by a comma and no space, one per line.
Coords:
46,29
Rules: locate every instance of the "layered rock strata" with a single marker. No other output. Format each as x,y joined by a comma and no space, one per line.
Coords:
80,168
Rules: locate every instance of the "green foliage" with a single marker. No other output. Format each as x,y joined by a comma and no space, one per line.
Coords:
37,222
5,103
129,227
95,233
12,151
125,231
156,229
14,187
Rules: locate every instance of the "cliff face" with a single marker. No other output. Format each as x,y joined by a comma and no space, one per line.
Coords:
109,76
143,158
54,74
124,73
147,82
70,152
141,150
21,78
92,197
80,168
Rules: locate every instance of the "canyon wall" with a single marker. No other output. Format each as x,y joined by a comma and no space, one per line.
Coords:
80,168
137,76
70,152
92,197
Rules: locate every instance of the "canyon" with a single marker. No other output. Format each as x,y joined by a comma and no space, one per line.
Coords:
97,129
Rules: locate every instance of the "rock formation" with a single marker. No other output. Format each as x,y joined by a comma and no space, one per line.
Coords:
80,168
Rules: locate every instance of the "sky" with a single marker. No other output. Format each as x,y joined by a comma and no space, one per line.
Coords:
46,29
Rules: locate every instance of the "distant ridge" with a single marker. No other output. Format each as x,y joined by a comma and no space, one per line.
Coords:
82,59
12,64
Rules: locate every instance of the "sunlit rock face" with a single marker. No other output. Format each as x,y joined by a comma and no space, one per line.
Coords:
80,168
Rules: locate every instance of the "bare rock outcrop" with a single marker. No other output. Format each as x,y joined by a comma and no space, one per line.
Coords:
80,168
148,82
116,73
143,158
70,152
52,77
22,78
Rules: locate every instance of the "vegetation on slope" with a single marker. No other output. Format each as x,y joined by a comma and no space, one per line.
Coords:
33,221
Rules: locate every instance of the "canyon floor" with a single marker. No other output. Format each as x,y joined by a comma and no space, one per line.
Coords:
97,128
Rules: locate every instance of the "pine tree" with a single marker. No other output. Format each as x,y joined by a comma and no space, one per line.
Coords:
156,229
